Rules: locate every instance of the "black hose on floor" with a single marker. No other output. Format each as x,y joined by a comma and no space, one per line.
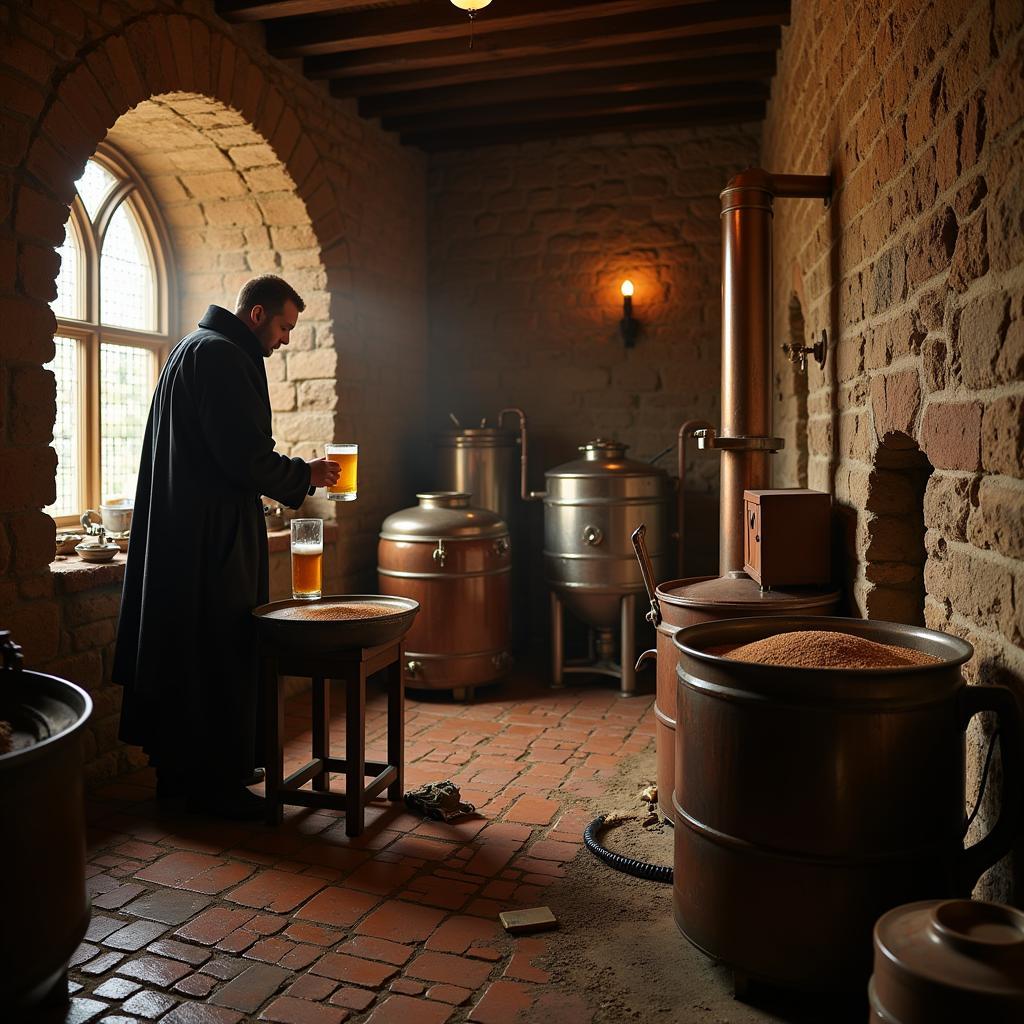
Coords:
638,868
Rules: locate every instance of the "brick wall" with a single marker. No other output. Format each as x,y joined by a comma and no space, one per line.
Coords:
917,425
528,247
255,170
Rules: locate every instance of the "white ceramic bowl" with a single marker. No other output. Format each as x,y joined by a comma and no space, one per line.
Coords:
93,552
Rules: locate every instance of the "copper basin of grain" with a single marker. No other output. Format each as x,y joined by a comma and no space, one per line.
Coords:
335,622
815,795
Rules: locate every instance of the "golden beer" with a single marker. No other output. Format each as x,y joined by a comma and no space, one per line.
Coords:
307,570
347,458
307,558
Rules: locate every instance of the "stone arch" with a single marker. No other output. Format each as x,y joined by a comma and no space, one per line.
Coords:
894,550
232,212
178,67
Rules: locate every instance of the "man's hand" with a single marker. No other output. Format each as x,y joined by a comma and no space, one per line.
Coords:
323,472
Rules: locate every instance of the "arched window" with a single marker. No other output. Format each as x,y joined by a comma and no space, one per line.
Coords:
112,335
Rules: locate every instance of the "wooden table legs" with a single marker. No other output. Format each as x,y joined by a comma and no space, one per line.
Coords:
353,667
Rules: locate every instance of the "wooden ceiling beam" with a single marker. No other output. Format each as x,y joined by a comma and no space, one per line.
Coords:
270,10
604,105
764,41
544,35
572,83
390,26
649,120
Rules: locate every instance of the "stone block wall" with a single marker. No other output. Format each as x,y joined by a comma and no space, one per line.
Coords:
528,247
255,169
917,273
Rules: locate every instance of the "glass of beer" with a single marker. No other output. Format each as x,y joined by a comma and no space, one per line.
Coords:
347,458
307,558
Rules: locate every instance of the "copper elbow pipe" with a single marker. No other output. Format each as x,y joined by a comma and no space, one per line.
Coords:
746,431
686,431
524,489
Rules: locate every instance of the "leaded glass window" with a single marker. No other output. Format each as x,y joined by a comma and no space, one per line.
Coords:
112,334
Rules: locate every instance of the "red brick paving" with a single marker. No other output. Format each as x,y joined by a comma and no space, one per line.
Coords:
337,906
397,926
398,1009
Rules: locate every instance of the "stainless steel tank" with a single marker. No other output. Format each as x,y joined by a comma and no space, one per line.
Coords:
482,462
591,509
454,559
490,465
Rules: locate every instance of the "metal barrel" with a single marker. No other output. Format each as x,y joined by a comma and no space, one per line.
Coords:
809,801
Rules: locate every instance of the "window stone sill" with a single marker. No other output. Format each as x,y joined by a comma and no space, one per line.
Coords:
72,575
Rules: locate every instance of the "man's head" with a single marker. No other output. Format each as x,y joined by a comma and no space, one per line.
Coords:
269,307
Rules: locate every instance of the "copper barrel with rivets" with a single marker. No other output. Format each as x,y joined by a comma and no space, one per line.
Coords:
455,560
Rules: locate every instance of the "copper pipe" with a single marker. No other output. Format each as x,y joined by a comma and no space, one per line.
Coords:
747,339
685,432
524,488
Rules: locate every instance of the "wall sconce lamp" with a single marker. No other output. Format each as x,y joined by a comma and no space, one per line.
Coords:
628,327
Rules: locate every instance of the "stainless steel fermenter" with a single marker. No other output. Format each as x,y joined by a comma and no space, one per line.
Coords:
592,506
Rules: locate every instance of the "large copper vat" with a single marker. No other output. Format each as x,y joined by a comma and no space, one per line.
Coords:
454,560
681,603
810,801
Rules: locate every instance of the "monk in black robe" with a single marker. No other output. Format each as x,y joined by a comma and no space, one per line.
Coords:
197,561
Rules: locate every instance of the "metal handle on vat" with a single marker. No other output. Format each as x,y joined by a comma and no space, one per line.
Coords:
440,554
11,653
647,571
593,535
652,654
977,859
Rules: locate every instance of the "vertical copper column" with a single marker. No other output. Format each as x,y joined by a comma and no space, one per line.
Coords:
745,438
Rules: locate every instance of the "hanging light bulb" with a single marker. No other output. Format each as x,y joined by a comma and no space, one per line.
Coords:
471,7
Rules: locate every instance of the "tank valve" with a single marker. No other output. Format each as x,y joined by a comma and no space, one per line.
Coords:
413,668
593,535
440,554
501,546
798,353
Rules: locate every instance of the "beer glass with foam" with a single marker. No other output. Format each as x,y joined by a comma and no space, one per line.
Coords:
347,458
307,558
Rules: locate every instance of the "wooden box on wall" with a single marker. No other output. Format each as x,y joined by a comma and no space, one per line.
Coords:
787,537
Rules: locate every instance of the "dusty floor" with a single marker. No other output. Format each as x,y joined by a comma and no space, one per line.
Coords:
200,922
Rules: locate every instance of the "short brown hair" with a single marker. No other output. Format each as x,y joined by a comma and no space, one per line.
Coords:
270,292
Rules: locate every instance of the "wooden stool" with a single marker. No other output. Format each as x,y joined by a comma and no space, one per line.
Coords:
352,666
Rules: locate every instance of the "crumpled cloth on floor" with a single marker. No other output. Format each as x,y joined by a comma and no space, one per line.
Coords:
441,801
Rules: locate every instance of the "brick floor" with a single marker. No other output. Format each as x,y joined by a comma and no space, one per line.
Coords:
199,921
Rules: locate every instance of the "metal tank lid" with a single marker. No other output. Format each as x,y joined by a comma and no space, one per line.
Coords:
443,514
477,437
737,590
604,457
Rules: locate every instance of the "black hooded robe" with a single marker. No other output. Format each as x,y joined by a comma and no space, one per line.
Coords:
197,561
